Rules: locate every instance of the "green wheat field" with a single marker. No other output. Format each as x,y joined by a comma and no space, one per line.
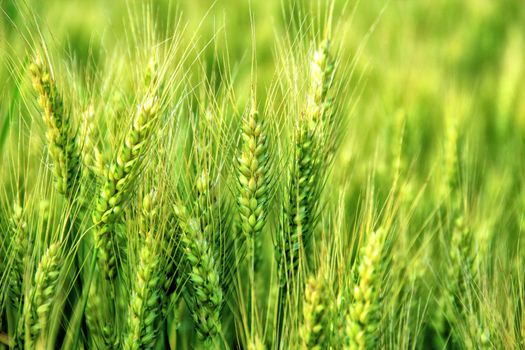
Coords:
310,174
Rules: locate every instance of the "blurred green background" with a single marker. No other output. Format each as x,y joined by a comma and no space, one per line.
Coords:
428,61
416,55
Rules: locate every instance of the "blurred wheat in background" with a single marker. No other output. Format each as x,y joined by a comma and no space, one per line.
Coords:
262,174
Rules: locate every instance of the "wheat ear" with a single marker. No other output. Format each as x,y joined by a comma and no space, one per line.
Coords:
61,136
120,175
364,313
306,181
253,179
18,250
315,329
206,293
91,156
306,177
460,271
43,294
146,299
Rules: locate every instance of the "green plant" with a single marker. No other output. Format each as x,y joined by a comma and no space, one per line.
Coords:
37,308
61,135
364,314
199,176
119,177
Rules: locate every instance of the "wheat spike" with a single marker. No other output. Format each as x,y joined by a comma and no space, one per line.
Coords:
42,296
146,300
206,295
61,136
364,314
119,177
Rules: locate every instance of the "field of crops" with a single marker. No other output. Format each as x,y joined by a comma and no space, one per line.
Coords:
262,174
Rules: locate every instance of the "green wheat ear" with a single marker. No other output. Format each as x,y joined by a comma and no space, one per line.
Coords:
316,325
253,181
364,315
146,298
43,294
118,179
61,136
206,293
309,163
19,252
92,158
459,275
145,304
321,80
299,214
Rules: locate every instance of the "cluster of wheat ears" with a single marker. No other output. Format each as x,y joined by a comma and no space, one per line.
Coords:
164,209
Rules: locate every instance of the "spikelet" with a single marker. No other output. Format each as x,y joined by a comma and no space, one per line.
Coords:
61,136
119,177
206,293
92,159
364,314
